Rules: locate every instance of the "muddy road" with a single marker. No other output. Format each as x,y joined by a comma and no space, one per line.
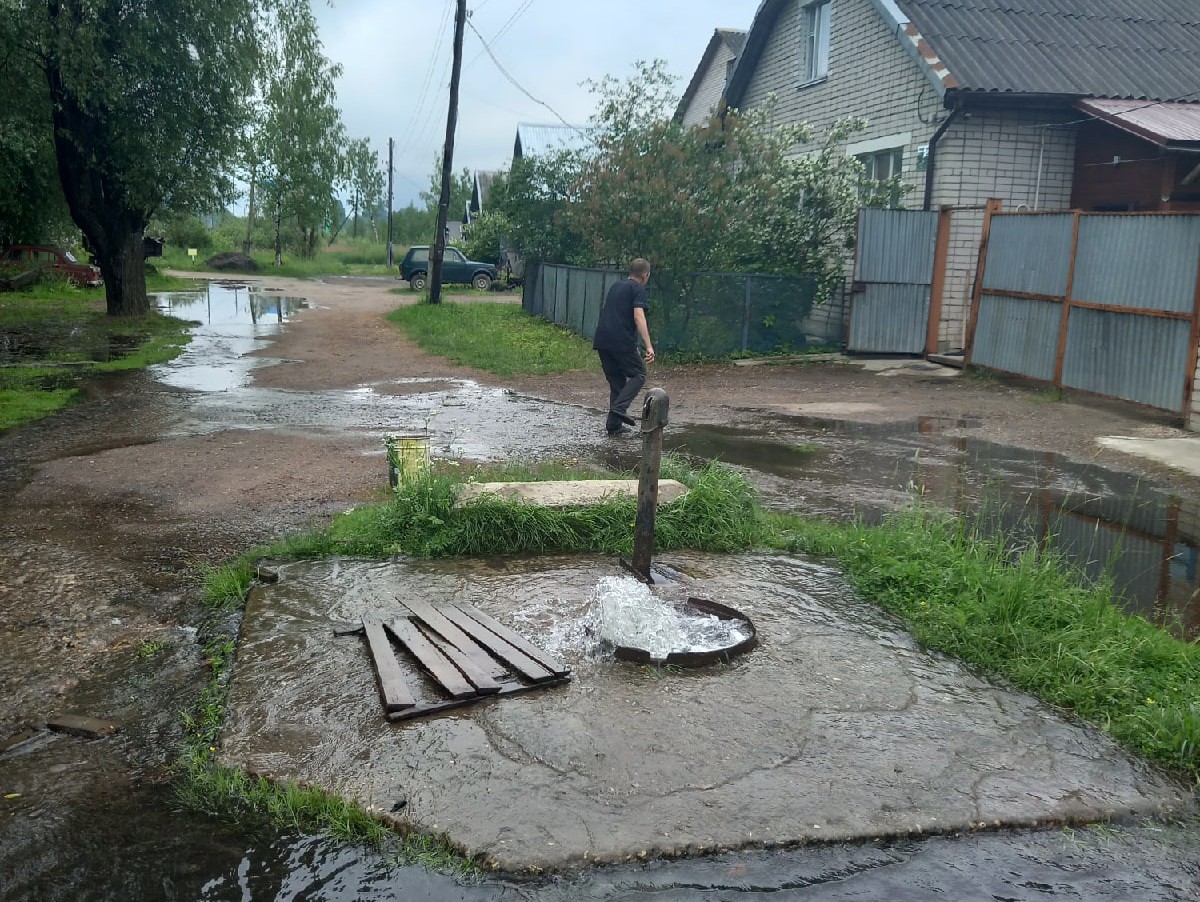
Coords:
273,421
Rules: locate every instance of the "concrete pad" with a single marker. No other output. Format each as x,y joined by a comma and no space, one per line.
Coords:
892,366
1180,453
563,493
836,727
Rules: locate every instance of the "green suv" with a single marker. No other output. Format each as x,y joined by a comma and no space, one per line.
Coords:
414,269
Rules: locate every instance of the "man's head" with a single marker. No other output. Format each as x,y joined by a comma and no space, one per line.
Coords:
639,270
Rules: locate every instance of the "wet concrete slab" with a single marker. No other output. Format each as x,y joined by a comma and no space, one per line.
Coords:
836,728
566,492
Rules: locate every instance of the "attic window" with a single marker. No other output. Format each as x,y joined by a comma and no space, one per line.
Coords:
816,40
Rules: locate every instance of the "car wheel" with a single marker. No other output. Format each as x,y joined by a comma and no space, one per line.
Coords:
482,282
417,281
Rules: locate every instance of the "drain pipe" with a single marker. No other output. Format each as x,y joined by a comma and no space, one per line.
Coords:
654,418
930,161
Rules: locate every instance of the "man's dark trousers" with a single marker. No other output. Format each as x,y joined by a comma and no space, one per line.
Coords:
626,374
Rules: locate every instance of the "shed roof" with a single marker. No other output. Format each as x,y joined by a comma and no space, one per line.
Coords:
535,139
1166,124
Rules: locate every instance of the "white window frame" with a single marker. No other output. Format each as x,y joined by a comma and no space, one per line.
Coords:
816,41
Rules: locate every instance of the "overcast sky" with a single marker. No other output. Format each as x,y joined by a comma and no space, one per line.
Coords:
396,56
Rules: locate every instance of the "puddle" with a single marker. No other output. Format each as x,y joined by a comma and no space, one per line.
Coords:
1104,522
234,319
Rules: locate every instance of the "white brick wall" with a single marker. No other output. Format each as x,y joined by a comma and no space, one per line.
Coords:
708,92
1019,157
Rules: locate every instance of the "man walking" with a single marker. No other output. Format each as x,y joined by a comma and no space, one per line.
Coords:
622,322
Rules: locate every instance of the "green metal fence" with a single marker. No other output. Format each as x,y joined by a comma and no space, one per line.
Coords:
706,313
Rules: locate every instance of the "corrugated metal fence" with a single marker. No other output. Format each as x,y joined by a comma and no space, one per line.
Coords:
893,275
716,313
1104,303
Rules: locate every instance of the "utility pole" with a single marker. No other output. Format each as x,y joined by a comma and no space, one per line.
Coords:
439,240
391,260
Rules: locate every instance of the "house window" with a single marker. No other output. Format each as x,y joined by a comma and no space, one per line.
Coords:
879,167
816,40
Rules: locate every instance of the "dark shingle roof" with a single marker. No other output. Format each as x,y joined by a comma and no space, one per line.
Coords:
1140,49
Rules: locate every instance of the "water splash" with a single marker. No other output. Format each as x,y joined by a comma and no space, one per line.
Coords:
631,615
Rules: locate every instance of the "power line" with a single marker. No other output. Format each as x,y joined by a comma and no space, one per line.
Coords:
514,82
505,27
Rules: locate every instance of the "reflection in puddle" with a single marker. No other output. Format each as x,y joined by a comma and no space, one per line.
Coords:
234,319
1109,524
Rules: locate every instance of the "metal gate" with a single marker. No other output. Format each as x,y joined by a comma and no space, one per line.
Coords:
1103,303
891,308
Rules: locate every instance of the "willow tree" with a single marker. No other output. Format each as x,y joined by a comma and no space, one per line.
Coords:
144,100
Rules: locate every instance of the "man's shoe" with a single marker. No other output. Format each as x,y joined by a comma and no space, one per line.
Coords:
623,417
623,432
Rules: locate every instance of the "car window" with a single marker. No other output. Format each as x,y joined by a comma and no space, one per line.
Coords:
70,257
419,255
455,255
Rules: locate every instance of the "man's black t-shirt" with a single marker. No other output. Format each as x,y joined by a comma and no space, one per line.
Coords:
616,330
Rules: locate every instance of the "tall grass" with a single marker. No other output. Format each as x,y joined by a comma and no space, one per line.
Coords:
1020,612
499,338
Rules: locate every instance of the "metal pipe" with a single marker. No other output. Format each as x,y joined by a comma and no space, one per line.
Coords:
655,411
930,161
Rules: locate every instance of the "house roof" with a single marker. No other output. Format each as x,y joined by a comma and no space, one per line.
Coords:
1166,124
734,39
537,140
1133,49
1137,49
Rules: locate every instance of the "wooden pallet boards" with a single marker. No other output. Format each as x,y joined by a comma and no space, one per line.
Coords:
514,639
438,665
467,654
393,691
436,621
522,663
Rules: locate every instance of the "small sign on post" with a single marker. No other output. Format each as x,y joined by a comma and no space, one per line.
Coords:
192,252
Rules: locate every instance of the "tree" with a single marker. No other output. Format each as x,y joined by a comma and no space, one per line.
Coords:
38,212
731,194
140,99
535,196
364,179
302,136
461,188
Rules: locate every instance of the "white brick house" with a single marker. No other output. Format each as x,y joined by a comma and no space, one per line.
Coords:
970,102
702,97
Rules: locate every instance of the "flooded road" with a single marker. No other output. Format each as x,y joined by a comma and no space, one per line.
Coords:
94,819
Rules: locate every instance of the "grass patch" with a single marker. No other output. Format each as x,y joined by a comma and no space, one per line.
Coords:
1021,613
253,804
719,513
499,338
57,336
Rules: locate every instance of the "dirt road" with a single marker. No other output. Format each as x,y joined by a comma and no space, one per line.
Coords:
109,511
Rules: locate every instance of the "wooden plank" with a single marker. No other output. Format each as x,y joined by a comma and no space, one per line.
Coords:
438,665
516,640
393,691
511,688
514,657
482,682
436,620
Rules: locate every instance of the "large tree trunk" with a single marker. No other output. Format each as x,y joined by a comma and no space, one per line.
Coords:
95,200
124,267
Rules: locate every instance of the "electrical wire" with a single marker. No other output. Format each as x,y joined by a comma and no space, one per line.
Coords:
517,85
